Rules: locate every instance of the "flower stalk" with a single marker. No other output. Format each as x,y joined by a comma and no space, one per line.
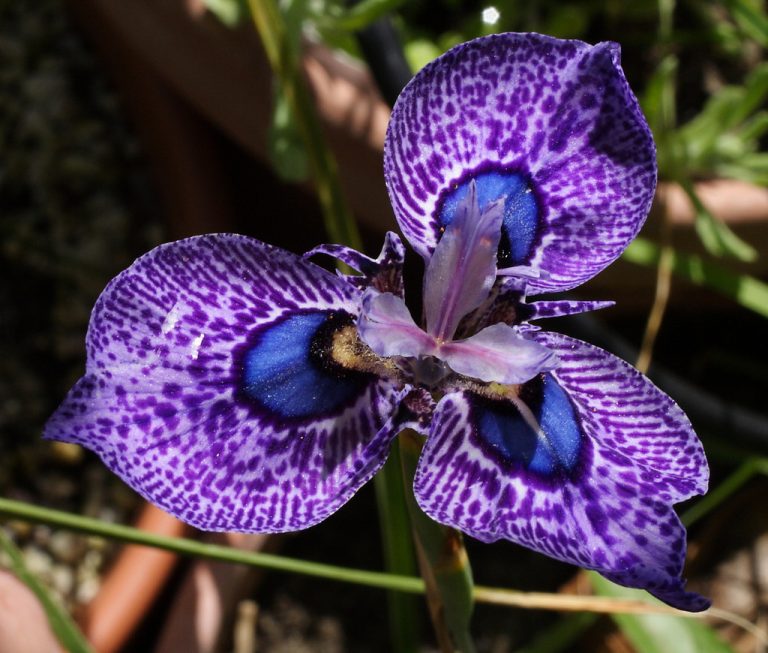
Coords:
443,562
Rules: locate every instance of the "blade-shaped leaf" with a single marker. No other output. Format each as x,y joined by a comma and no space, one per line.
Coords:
745,290
751,18
229,12
716,235
364,13
656,104
286,147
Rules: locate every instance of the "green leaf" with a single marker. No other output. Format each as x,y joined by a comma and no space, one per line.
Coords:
419,52
286,147
716,496
229,12
658,100
294,14
443,550
751,167
754,93
716,235
657,633
754,128
364,13
66,631
727,128
562,635
271,26
751,18
399,556
747,291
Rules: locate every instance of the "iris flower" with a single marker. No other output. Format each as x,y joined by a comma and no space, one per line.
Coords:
241,387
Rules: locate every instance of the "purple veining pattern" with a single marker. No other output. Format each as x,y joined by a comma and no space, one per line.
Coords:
159,401
560,113
384,273
612,511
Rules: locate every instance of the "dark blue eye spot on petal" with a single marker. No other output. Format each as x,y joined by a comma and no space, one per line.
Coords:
287,368
521,210
504,432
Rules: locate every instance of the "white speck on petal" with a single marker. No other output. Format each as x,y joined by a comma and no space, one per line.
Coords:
196,346
171,319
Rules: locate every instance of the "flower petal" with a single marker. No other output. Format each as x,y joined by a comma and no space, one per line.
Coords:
624,412
386,326
593,485
462,269
562,307
212,390
551,126
499,354
384,273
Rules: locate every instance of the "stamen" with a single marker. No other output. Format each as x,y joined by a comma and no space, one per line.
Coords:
348,351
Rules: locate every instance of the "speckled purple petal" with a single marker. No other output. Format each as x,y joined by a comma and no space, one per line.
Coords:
562,307
384,273
595,490
550,125
201,392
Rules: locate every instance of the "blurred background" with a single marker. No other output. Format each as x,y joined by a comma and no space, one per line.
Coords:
127,124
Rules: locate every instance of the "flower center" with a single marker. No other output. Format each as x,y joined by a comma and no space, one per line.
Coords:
290,366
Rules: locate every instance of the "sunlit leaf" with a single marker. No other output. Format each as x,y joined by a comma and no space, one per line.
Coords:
716,236
419,52
755,91
751,17
655,100
747,291
229,12
750,167
286,147
364,13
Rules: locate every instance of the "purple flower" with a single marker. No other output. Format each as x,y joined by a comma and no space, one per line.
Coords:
241,387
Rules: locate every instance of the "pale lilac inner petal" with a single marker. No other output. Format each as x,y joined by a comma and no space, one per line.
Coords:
386,326
462,269
498,353
522,271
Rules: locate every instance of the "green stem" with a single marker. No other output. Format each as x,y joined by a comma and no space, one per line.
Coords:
398,551
444,564
339,223
182,546
407,584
